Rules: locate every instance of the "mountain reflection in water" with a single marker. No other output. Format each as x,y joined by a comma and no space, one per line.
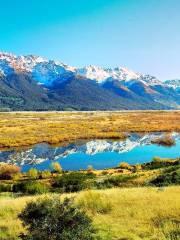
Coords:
98,153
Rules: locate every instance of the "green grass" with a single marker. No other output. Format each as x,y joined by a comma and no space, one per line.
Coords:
162,172
133,210
126,213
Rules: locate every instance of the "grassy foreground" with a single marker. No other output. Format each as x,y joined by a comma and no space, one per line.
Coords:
26,128
133,213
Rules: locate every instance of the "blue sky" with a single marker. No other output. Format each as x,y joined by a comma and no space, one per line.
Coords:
143,35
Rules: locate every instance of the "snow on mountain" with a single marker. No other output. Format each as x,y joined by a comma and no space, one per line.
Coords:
20,63
174,83
44,71
102,74
47,71
122,73
1,72
5,67
93,72
150,80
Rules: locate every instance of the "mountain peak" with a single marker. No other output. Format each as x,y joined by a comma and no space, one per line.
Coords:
93,72
102,74
46,71
19,63
150,80
39,83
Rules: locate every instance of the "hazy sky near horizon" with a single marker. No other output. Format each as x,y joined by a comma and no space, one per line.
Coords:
143,35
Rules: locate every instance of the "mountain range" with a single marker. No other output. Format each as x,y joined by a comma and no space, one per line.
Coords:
35,83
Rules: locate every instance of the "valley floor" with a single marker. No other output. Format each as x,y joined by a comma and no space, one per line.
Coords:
19,129
132,213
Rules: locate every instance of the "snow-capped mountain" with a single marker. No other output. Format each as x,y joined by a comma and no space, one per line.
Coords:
93,72
43,71
174,83
150,80
19,63
121,74
102,74
35,83
46,71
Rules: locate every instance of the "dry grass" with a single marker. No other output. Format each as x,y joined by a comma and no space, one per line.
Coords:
141,213
134,214
26,128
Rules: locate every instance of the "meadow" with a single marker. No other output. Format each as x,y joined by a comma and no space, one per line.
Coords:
26,128
126,213
128,202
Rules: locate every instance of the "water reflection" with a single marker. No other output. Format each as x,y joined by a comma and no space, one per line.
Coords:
99,153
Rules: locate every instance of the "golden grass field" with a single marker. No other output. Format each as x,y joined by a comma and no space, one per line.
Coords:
26,128
124,213
136,213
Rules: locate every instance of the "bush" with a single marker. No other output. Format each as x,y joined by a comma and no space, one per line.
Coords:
30,187
118,180
125,165
56,167
72,182
90,168
137,167
45,174
115,181
17,176
52,219
95,202
105,172
157,159
171,178
160,163
7,171
5,187
32,173
171,169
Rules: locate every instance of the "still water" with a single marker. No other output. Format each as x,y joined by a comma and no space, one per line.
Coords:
98,153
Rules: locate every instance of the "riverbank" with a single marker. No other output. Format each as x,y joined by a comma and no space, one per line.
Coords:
160,172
